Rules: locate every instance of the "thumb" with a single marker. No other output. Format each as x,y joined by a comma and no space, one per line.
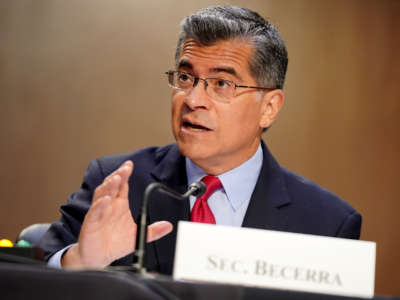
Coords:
157,230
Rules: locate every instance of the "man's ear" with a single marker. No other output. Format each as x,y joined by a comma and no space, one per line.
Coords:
272,103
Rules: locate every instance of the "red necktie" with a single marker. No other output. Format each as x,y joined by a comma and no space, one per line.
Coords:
201,212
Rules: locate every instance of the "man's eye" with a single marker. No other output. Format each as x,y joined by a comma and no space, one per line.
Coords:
183,77
222,83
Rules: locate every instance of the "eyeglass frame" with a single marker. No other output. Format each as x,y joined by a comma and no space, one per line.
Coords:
197,79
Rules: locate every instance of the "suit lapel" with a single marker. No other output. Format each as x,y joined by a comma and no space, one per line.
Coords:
270,198
170,171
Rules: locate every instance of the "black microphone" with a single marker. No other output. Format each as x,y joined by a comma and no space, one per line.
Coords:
196,189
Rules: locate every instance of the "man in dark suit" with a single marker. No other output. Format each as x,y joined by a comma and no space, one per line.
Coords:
227,90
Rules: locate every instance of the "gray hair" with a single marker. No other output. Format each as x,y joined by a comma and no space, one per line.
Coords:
268,63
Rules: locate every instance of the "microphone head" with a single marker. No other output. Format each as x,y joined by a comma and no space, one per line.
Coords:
198,188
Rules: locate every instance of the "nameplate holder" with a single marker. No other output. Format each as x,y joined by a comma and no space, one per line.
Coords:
273,259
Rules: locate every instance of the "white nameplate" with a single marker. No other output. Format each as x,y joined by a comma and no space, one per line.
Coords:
273,259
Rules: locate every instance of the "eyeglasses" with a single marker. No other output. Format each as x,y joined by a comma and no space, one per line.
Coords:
219,89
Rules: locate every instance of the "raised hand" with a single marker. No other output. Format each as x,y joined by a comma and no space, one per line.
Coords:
108,231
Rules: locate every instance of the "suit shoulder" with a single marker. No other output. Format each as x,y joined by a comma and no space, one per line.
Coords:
311,194
142,157
316,210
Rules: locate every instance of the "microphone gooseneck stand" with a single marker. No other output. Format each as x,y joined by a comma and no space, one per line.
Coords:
196,189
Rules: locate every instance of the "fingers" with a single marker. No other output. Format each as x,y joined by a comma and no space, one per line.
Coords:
109,187
125,173
157,230
124,190
98,209
114,182
125,170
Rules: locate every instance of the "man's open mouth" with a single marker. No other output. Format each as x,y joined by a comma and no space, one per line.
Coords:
195,127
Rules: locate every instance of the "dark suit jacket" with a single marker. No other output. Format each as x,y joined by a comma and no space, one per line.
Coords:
281,200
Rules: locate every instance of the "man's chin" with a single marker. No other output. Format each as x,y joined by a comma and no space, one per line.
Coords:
193,151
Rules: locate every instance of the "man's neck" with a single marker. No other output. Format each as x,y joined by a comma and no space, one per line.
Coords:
194,170
224,163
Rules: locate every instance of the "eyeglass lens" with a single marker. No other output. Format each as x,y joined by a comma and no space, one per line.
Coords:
218,88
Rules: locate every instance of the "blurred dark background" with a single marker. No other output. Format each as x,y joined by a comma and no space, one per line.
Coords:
81,79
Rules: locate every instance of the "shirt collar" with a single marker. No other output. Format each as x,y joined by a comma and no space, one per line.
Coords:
238,183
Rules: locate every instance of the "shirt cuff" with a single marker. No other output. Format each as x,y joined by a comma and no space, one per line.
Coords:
55,259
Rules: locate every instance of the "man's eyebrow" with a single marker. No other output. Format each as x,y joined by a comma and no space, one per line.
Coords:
185,64
226,70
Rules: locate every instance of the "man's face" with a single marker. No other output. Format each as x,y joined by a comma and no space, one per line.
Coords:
217,136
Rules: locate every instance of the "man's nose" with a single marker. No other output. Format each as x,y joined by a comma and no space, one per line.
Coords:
198,97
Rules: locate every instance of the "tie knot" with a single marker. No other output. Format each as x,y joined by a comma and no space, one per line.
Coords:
201,212
212,183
